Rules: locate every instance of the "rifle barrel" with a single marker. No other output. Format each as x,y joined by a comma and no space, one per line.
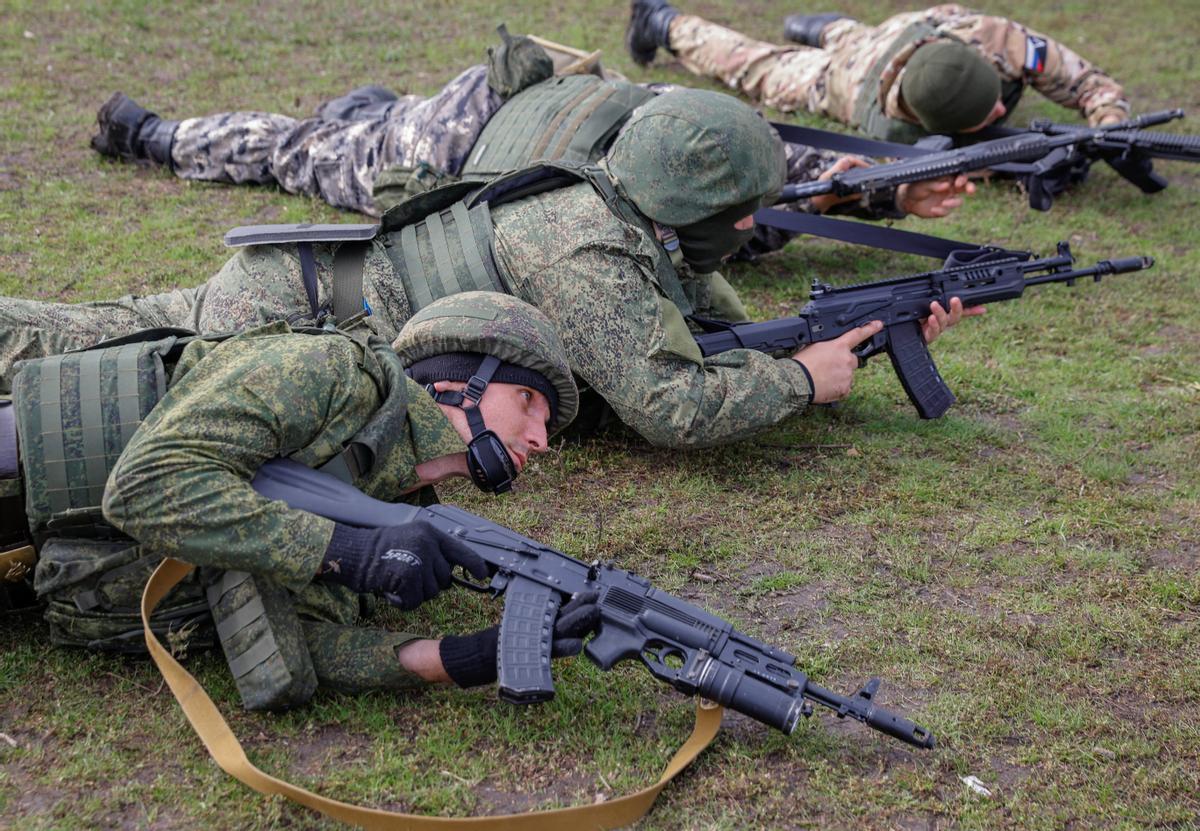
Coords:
1100,269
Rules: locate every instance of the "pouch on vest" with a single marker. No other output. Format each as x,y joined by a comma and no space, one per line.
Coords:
567,118
263,641
396,184
75,414
93,589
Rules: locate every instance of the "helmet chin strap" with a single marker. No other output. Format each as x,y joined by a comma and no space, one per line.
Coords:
488,462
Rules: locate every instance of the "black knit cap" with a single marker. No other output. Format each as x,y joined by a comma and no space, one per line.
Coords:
460,366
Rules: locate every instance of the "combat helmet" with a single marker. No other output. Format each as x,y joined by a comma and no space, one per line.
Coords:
479,337
698,161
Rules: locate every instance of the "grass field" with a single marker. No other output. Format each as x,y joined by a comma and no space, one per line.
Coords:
1022,573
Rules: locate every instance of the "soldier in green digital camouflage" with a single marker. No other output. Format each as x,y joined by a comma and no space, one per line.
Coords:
287,589
618,256
946,69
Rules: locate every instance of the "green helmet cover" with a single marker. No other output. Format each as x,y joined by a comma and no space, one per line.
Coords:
949,86
688,155
490,323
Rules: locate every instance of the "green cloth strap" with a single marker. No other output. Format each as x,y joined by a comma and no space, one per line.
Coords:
243,617
53,459
610,112
470,246
129,405
91,423
416,283
443,281
348,263
264,649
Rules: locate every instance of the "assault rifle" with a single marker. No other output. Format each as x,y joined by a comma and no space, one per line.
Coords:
1047,156
680,644
979,276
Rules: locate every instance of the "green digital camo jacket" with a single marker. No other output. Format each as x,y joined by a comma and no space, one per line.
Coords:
182,486
593,276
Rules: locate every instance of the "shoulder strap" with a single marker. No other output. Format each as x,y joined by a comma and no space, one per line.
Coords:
862,233
227,751
842,143
348,301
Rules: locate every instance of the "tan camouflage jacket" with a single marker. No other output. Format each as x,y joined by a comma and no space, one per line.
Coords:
1017,52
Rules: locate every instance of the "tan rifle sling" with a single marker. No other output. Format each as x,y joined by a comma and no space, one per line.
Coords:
212,729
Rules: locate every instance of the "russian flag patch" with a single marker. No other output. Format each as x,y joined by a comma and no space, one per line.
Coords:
1035,54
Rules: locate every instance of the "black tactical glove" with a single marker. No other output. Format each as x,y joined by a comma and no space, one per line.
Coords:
407,564
470,660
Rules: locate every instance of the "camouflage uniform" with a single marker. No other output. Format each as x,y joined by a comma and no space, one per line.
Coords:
181,488
828,80
341,161
607,285
338,160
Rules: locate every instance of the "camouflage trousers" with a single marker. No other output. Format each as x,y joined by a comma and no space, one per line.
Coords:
786,78
337,159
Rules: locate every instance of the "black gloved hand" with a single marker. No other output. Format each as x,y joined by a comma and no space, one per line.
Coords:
407,564
470,660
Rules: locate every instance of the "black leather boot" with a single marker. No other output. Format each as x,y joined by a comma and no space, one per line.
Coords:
130,132
806,29
649,27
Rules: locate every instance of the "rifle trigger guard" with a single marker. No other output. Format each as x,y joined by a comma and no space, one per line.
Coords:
870,348
482,588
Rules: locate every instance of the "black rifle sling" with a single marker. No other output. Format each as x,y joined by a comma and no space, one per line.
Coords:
308,272
842,143
862,233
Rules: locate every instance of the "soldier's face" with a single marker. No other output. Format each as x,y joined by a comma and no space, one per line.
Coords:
517,414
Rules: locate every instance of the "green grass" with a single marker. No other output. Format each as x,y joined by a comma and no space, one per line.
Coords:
1022,573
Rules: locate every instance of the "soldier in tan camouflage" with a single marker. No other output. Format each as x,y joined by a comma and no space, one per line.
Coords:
856,74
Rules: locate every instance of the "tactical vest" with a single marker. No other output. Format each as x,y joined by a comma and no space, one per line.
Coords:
570,118
441,242
75,414
868,112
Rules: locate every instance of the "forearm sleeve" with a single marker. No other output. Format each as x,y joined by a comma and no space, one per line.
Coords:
634,348
1054,70
354,659
182,486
